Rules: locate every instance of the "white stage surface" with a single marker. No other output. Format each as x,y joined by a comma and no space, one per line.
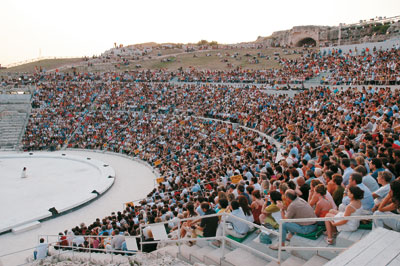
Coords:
52,180
61,183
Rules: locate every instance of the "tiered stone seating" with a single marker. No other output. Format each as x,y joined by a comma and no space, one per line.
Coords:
68,257
205,253
11,126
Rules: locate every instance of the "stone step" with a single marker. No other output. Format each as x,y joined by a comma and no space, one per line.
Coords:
171,250
200,253
316,261
293,261
186,251
97,258
264,248
308,254
214,257
346,239
241,256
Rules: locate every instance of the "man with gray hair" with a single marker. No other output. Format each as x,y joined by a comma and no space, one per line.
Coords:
319,175
298,208
311,165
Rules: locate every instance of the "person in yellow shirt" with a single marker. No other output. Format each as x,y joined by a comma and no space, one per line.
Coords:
266,213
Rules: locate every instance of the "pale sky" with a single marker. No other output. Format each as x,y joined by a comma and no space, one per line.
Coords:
86,27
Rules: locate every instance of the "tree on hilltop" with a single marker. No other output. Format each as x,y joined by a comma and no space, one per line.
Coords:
202,42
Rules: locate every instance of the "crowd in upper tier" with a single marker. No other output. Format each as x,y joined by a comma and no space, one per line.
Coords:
332,151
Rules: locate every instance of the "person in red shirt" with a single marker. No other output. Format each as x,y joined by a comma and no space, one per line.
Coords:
62,242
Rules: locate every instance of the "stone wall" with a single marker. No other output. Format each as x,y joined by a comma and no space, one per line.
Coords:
329,36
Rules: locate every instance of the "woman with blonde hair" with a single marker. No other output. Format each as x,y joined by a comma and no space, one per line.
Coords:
265,186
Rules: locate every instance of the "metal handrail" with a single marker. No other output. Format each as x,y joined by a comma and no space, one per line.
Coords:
296,220
19,251
71,248
224,238
218,215
360,217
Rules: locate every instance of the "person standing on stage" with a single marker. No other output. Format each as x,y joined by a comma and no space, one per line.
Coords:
23,174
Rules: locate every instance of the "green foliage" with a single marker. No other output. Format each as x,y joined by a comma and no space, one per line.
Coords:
202,42
380,28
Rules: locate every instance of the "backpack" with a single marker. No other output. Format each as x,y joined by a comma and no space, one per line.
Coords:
265,239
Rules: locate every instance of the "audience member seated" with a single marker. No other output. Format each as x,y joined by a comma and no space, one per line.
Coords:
41,251
234,227
367,200
390,205
297,208
208,226
354,208
266,214
384,179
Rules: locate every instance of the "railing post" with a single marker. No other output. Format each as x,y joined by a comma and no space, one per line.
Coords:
90,249
141,238
112,254
223,218
280,242
179,237
59,246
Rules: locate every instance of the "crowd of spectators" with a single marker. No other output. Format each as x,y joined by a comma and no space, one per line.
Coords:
340,153
374,67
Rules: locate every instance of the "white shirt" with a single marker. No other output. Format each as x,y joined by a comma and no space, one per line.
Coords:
41,251
79,240
257,187
370,182
382,192
23,174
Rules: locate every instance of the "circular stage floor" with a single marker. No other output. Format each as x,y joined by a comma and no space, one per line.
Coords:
133,181
59,181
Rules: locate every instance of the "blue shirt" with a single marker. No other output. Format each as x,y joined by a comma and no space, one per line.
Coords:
199,210
368,201
195,188
239,226
294,151
307,157
346,175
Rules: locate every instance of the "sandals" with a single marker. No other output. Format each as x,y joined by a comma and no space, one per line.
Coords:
328,240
